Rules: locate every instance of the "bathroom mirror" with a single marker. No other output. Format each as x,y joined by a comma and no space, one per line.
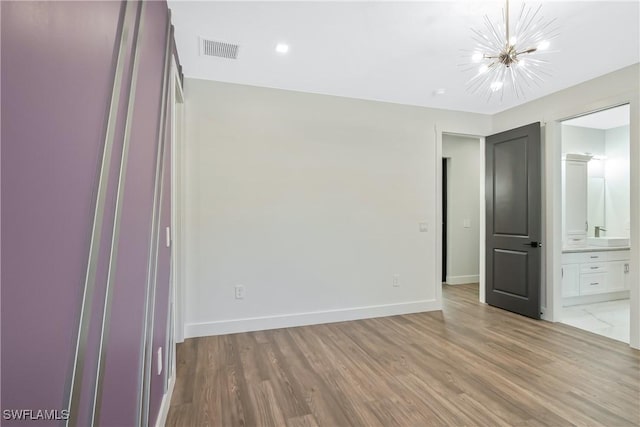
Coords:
595,203
596,176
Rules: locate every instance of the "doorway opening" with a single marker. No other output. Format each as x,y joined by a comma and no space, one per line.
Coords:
445,161
462,218
596,223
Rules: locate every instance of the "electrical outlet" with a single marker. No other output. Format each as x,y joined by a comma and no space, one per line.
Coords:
239,289
396,280
424,227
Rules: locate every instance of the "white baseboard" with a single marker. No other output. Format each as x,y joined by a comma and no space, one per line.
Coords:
166,402
463,280
543,314
223,327
596,298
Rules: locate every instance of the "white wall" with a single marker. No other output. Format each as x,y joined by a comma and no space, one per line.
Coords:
302,239
581,140
617,182
463,201
311,202
609,90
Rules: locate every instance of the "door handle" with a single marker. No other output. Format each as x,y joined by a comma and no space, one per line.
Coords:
534,244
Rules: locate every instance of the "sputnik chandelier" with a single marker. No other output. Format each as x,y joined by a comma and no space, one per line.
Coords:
510,59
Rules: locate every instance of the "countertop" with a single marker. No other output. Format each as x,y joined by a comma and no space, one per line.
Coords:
595,249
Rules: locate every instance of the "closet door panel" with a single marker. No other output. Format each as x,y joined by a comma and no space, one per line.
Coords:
121,378
57,81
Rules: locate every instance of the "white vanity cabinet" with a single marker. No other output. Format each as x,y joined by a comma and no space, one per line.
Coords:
570,280
618,276
594,272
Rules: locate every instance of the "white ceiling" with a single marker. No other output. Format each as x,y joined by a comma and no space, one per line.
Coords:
394,51
605,119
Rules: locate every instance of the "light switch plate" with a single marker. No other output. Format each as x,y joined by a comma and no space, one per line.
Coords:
239,291
396,280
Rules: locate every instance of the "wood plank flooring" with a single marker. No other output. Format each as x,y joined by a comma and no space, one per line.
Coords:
469,365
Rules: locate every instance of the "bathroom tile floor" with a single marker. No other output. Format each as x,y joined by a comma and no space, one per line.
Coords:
610,318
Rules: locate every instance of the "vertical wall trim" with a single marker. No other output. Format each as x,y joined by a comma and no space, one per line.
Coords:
437,227
483,223
118,214
149,309
177,206
96,228
176,327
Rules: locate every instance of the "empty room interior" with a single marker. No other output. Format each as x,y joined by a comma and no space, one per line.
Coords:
320,213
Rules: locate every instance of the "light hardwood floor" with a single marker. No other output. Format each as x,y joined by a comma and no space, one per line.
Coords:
469,365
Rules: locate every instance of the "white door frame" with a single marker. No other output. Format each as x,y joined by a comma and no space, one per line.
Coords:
177,203
553,164
438,251
176,282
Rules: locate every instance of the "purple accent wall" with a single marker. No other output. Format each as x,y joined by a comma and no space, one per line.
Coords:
56,83
58,62
125,335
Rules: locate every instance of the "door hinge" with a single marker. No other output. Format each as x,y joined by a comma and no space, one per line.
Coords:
626,268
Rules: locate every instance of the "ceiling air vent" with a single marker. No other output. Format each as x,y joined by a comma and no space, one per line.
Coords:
219,49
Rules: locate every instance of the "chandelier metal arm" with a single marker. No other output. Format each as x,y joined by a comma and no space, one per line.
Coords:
530,50
506,11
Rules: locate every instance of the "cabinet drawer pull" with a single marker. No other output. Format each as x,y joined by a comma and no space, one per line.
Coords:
594,283
595,268
594,257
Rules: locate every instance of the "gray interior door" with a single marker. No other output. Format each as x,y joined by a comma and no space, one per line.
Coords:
513,199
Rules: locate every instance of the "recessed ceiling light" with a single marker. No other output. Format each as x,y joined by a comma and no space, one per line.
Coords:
282,48
440,91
